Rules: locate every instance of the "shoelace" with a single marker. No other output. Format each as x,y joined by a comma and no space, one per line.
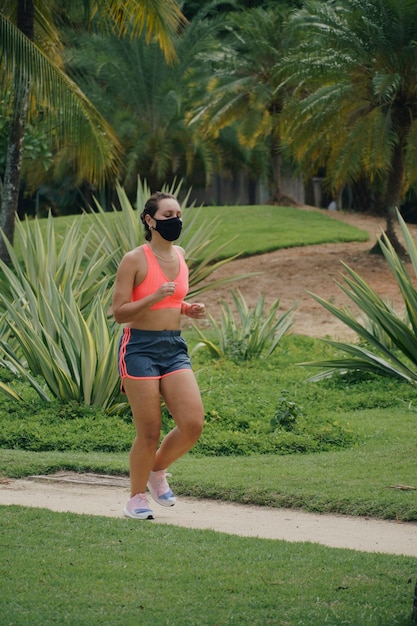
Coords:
161,482
141,501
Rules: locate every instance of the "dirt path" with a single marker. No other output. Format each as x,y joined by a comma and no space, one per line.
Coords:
92,494
290,273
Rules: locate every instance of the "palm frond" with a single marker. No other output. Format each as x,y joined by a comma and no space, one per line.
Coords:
360,53
158,19
88,139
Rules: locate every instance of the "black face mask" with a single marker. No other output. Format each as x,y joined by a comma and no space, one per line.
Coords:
169,229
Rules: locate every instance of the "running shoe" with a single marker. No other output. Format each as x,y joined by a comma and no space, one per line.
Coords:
138,508
159,488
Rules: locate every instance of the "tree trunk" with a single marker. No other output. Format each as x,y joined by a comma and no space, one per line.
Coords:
277,197
13,166
276,162
392,201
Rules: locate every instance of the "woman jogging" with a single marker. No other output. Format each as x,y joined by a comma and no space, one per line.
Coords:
151,284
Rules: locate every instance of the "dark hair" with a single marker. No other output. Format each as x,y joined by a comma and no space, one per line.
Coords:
151,207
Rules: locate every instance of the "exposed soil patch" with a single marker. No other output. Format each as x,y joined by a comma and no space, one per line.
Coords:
291,273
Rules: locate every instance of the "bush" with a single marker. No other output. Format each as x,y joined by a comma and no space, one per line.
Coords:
55,331
249,335
388,341
287,414
240,400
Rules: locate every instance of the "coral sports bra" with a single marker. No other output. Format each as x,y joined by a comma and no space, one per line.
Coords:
155,277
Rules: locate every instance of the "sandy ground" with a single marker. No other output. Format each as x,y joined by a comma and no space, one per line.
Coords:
287,274
106,495
290,274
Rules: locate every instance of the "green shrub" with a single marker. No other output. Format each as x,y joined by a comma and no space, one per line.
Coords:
239,399
72,351
287,413
251,334
309,437
388,341
54,327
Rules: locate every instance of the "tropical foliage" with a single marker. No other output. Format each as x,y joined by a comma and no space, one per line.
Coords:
147,99
54,302
35,83
353,68
251,334
330,86
124,232
243,91
246,413
388,340
54,327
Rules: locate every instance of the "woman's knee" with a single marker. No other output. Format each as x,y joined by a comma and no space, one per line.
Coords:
148,434
192,429
151,438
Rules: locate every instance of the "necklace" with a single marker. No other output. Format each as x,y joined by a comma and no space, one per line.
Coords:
163,258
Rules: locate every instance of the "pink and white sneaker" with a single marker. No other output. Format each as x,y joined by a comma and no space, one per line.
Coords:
159,488
137,507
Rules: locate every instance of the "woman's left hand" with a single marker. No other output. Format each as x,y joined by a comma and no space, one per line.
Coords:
196,310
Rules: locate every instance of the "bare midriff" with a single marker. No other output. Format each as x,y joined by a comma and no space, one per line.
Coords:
161,319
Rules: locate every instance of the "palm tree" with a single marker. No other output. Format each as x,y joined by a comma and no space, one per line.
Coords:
33,76
353,66
243,91
146,100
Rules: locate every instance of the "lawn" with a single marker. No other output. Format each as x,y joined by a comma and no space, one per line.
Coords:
79,570
249,230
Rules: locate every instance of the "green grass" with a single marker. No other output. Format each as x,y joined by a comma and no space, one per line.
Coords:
79,570
357,481
278,227
256,229
239,408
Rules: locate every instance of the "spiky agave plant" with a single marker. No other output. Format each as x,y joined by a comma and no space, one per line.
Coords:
389,341
252,333
72,351
54,324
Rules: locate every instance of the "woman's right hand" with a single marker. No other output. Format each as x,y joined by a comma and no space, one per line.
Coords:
165,290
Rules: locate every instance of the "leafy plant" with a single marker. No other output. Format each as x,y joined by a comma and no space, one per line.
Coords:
55,301
239,401
8,391
390,342
287,413
55,324
251,334
74,352
324,123
68,261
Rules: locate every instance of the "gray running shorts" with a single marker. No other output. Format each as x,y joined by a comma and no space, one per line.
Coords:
145,354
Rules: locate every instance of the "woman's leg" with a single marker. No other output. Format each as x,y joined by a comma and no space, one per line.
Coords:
182,397
145,402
